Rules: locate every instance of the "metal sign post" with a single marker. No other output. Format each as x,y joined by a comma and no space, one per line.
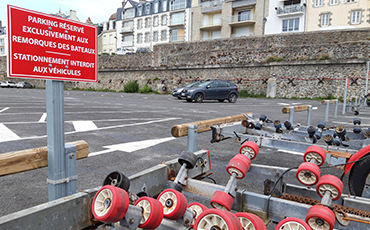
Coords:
346,86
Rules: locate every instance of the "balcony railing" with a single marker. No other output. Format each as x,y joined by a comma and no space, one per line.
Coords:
129,43
127,29
176,22
241,35
242,18
290,9
210,4
217,22
177,38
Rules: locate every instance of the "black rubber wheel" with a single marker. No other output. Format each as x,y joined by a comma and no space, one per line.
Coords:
221,100
189,100
189,158
173,185
232,98
358,175
117,179
199,98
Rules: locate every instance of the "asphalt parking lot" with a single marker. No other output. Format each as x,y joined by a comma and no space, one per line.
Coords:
140,125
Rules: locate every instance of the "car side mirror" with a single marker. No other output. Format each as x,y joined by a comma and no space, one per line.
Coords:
208,86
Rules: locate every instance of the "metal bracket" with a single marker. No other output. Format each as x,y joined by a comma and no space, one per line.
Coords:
132,217
61,181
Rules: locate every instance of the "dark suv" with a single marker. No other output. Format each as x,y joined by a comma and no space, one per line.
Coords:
212,90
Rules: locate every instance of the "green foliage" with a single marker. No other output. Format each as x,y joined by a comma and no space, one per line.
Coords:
245,93
146,89
325,57
272,59
131,87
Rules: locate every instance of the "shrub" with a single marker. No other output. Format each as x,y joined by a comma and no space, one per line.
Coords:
245,93
146,89
131,87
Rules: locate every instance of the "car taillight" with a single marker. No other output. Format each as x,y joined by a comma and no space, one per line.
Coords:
236,88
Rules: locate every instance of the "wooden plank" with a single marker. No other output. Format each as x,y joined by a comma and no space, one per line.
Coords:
339,154
297,108
323,102
29,159
182,130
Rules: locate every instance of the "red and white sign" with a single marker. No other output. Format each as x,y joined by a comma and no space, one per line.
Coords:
50,47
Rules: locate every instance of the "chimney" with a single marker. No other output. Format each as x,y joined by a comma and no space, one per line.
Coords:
1,23
72,15
123,3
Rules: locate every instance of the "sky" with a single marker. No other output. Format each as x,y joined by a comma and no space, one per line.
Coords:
97,10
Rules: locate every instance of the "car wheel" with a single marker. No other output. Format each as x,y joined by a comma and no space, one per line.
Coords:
199,97
232,98
221,100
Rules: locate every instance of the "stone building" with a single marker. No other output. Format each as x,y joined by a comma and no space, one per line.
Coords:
107,38
147,23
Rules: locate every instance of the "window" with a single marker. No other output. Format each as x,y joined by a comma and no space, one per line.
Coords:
164,20
333,2
155,21
178,18
164,5
129,13
244,16
147,23
140,10
155,36
355,17
139,38
177,4
127,40
105,40
2,50
177,35
156,4
110,39
324,20
318,3
164,35
147,37
291,25
1,41
147,9
139,23
216,34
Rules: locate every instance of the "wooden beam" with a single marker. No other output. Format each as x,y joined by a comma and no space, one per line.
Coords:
330,102
182,130
297,108
29,159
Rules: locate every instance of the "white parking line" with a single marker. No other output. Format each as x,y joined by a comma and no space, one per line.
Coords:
4,109
6,134
283,104
43,118
84,125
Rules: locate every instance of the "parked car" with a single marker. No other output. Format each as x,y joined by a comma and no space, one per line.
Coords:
8,84
177,92
143,50
220,90
125,51
23,84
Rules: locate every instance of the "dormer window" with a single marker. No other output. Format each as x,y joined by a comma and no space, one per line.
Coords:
128,13
156,4
177,4
147,9
140,10
164,5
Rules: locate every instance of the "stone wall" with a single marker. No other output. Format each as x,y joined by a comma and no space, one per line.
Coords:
311,64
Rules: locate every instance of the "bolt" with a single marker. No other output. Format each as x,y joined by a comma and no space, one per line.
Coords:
186,221
50,65
66,31
277,173
205,162
49,28
131,221
66,67
236,189
71,156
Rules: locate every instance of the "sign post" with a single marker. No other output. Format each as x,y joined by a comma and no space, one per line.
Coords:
47,47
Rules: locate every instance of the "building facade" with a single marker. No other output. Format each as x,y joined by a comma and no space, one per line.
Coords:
107,38
224,19
286,16
3,41
337,14
146,23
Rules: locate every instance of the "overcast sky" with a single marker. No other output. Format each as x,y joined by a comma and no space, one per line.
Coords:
97,10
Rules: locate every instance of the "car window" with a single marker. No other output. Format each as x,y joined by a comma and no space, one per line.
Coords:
203,84
224,84
213,84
